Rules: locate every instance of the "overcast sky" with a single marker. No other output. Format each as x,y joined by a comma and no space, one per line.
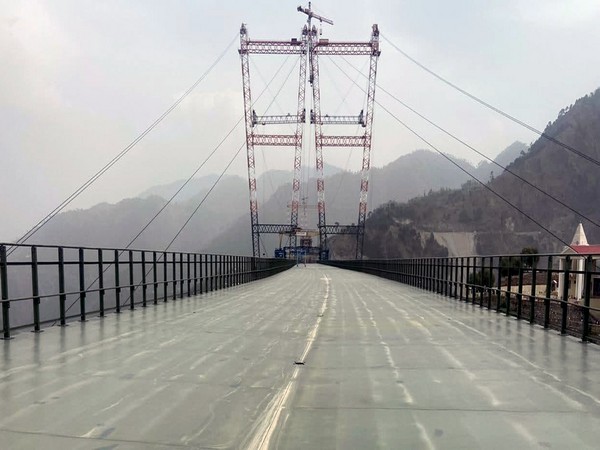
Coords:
80,79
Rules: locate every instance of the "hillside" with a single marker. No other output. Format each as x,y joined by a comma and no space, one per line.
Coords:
222,223
114,225
409,176
496,226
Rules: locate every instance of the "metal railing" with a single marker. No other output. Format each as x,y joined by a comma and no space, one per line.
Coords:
44,284
539,288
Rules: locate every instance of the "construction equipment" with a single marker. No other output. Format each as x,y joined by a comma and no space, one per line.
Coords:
310,46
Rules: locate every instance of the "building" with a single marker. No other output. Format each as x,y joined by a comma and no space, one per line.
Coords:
579,251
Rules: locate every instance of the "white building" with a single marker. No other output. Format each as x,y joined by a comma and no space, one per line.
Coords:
579,250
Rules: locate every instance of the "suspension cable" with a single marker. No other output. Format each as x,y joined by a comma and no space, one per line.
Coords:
120,155
213,185
513,173
343,101
486,186
188,180
494,108
273,100
205,197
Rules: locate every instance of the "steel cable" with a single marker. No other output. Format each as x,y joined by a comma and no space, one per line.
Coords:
120,155
492,107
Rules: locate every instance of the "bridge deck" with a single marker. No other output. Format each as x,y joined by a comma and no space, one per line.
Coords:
386,366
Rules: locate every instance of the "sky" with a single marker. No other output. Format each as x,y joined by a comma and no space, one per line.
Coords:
81,79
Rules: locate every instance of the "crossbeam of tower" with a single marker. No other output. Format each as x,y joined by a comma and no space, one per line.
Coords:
309,47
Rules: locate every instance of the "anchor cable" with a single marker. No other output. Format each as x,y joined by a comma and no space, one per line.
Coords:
486,186
120,155
448,133
492,107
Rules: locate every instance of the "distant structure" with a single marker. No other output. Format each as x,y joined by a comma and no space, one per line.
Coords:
575,259
309,46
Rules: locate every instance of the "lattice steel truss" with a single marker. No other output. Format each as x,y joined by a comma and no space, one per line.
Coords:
309,47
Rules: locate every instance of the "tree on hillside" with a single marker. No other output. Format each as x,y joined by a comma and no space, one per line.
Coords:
482,278
533,258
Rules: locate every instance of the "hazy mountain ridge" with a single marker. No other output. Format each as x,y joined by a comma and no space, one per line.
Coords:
222,223
409,176
497,227
270,181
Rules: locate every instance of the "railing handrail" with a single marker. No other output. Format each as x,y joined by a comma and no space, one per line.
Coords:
147,250
464,278
176,272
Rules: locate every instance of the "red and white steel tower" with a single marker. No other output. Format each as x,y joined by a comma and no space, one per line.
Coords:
309,47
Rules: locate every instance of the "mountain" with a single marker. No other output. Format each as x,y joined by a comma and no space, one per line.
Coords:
195,186
486,169
222,223
115,225
407,177
475,212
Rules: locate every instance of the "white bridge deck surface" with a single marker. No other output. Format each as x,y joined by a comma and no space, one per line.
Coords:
386,366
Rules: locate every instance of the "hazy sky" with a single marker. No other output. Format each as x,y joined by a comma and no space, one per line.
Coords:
81,79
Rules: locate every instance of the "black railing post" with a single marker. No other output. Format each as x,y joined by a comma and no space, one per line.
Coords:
189,275
462,277
520,289
62,297
195,274
117,284
165,278
217,273
181,276
101,282
491,282
211,273
131,282
446,276
4,293
455,268
82,292
35,289
467,285
532,297
155,278
548,293
202,272
481,281
438,275
233,270
509,286
228,271
174,267
144,286
587,286
499,292
221,279
432,273
565,296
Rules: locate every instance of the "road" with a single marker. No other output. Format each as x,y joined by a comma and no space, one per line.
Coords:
316,357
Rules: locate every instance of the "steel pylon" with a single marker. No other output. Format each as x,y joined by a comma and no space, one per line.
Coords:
309,47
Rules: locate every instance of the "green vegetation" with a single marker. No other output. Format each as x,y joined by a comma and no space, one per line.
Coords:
499,228
482,278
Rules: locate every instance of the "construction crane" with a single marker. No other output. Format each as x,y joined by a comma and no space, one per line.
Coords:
309,47
308,11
